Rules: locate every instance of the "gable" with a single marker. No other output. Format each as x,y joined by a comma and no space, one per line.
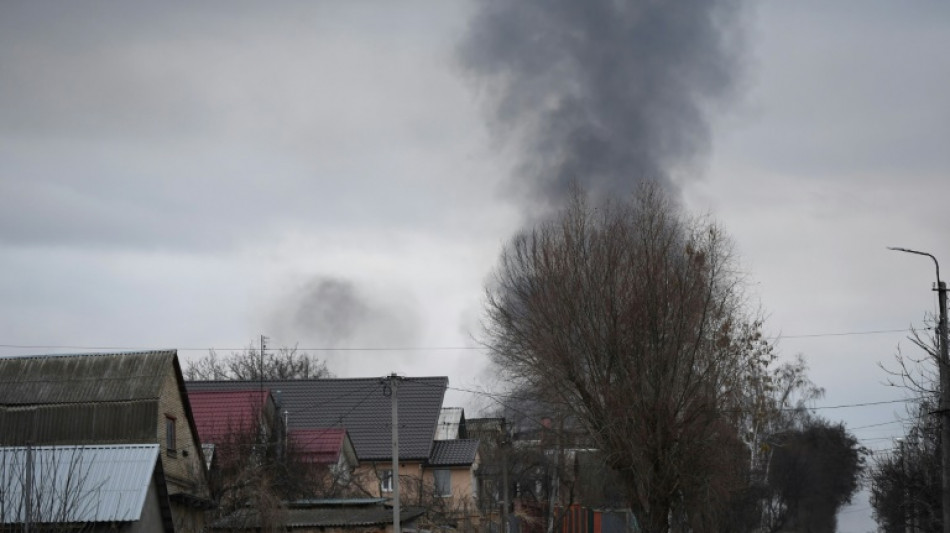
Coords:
184,465
359,405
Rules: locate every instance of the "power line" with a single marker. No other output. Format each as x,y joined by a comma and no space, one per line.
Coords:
410,348
847,333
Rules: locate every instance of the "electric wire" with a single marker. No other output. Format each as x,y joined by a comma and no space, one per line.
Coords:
413,348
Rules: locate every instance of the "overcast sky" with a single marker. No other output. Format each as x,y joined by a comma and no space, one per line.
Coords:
339,175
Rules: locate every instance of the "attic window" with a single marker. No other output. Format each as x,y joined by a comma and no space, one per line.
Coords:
171,447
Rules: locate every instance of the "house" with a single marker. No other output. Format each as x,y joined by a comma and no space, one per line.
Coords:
239,428
111,488
118,398
362,406
362,515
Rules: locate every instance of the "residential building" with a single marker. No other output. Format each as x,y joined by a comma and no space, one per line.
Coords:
119,398
362,406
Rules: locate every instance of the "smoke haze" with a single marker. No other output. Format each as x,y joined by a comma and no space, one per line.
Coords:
331,312
605,92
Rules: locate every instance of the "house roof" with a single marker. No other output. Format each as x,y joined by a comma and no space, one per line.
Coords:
459,452
85,378
361,406
347,513
101,483
220,414
82,399
80,423
321,446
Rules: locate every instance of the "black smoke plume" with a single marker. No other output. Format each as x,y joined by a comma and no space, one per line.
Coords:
603,93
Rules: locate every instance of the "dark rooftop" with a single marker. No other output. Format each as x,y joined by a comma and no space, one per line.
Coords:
85,378
457,452
325,514
359,405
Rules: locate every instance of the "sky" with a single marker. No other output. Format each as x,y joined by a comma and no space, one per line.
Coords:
342,176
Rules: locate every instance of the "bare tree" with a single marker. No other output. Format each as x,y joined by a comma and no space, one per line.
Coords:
629,316
282,363
906,486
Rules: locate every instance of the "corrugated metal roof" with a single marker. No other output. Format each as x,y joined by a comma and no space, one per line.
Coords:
220,414
453,452
83,378
92,483
361,406
80,423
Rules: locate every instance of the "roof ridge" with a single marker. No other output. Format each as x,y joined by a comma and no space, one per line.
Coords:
168,351
141,446
369,378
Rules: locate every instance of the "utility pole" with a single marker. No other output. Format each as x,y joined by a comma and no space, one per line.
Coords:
393,397
260,366
505,445
943,363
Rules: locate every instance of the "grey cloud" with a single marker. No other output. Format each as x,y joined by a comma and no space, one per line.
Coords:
202,127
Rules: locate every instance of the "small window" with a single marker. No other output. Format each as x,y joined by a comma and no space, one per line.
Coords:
170,443
386,480
443,482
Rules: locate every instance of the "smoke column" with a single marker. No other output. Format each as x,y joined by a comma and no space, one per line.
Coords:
605,93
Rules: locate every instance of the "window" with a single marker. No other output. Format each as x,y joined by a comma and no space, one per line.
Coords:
386,480
170,445
443,482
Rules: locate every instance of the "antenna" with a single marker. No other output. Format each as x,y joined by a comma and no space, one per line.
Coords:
260,370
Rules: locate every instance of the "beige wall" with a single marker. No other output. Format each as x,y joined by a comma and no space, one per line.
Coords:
462,480
409,474
184,470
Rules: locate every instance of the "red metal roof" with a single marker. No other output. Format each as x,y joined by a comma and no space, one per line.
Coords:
219,414
320,446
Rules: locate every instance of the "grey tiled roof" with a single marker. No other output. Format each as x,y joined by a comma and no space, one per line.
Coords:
328,516
453,452
51,379
361,406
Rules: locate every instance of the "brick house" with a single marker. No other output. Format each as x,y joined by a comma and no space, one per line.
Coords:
118,398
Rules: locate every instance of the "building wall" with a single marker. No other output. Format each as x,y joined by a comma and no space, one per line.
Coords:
410,472
462,483
150,520
182,466
184,469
